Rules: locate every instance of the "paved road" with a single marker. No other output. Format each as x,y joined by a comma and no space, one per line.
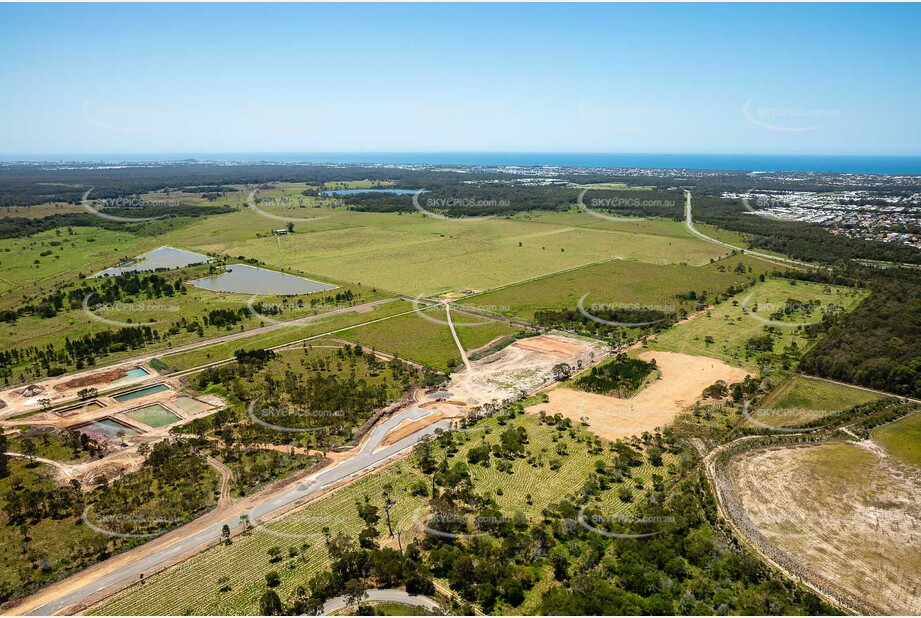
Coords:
368,457
457,341
688,220
391,595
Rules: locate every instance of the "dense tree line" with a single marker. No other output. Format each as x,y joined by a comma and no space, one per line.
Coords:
878,344
621,376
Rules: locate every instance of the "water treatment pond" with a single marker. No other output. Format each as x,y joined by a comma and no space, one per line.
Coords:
244,279
143,392
105,429
131,374
154,415
162,257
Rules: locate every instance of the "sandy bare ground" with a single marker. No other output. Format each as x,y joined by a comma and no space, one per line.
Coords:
111,467
553,346
682,378
524,366
847,513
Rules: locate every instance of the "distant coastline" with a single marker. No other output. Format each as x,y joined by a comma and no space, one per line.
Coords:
838,164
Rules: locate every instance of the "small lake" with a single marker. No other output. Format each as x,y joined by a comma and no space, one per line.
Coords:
357,191
143,392
162,257
245,279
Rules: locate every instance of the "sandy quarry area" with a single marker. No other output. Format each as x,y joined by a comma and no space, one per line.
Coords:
681,381
847,513
521,367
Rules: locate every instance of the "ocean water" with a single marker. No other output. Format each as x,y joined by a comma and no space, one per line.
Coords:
742,162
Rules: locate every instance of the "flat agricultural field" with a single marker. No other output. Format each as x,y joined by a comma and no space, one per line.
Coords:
725,331
800,399
428,341
414,254
902,439
618,284
44,261
286,334
681,380
845,513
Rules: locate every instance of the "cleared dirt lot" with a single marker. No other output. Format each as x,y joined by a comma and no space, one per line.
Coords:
849,514
553,346
682,378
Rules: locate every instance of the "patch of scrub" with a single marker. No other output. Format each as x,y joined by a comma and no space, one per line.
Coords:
244,279
190,405
163,257
153,415
141,392
357,191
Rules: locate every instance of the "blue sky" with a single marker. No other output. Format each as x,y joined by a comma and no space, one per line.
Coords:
142,78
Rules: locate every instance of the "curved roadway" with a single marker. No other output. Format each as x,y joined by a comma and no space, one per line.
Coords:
379,595
369,456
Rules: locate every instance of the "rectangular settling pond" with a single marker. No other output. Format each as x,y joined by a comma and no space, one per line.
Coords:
142,392
131,374
105,429
154,415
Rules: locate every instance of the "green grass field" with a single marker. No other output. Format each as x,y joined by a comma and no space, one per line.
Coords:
617,283
799,399
194,586
723,332
391,251
25,271
221,351
902,439
428,342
